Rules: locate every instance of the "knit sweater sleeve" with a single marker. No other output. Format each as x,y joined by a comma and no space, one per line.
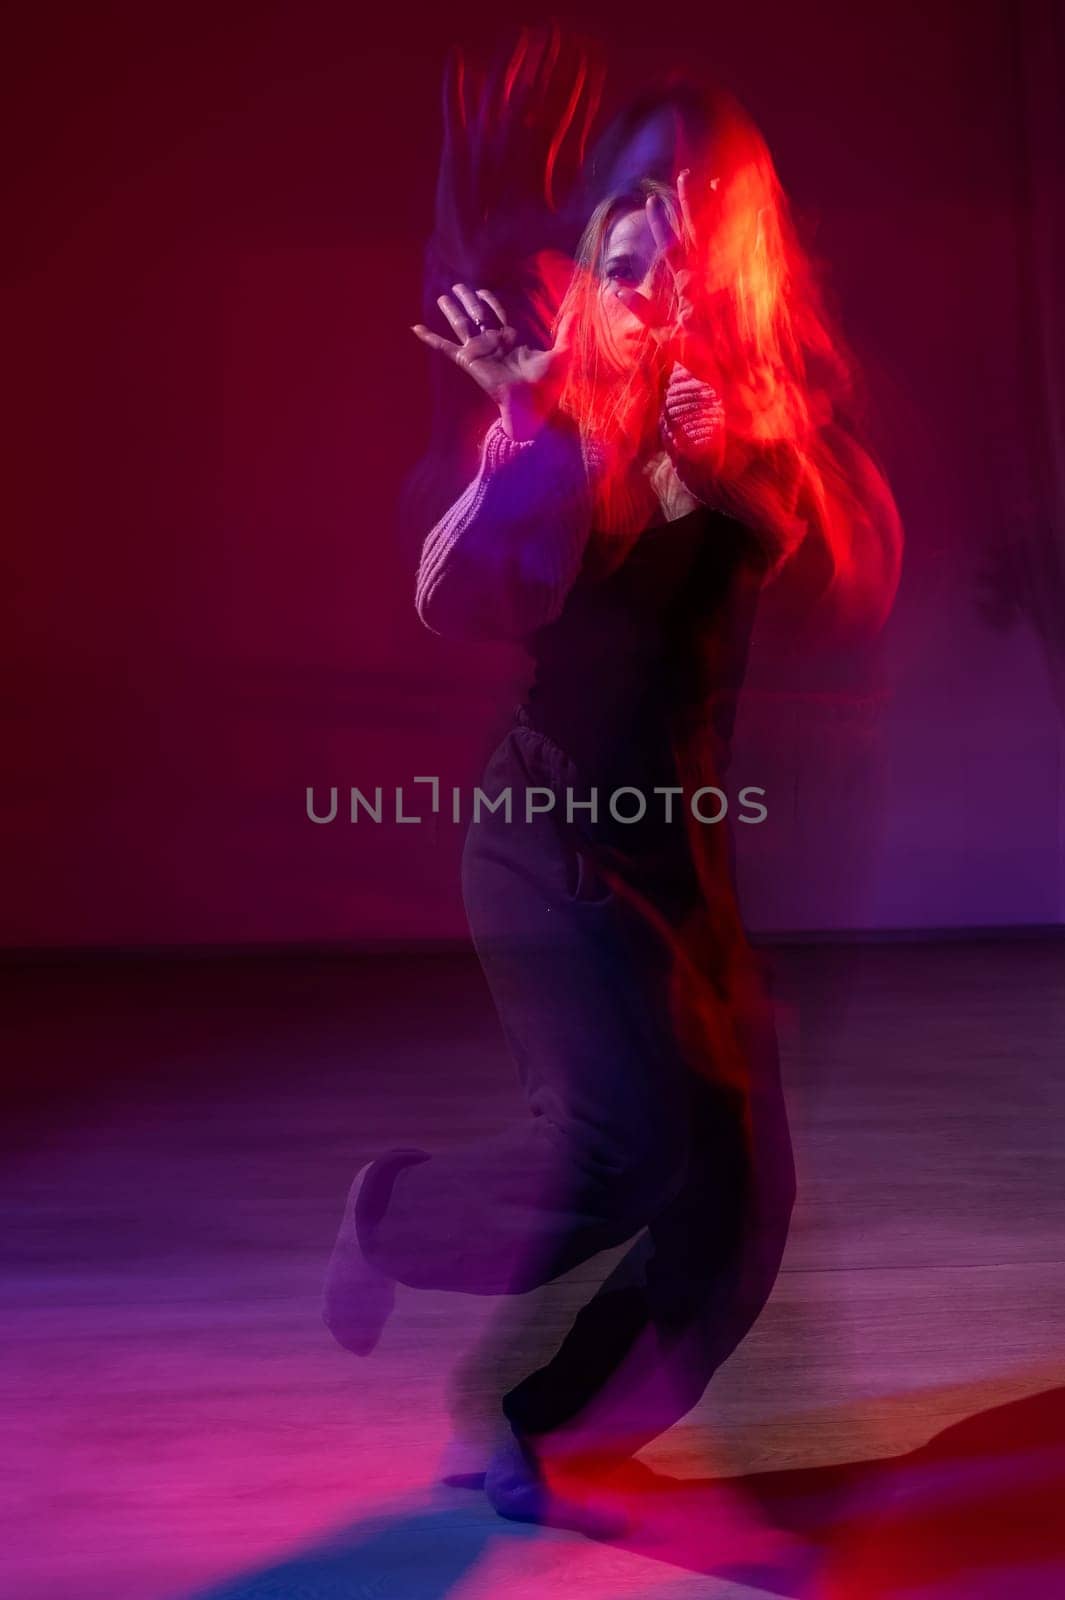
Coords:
760,487
502,559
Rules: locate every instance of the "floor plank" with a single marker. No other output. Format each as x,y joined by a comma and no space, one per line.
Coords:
179,1424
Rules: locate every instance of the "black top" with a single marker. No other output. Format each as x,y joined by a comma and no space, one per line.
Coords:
665,635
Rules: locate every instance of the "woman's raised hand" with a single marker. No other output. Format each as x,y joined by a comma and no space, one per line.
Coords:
523,381
675,326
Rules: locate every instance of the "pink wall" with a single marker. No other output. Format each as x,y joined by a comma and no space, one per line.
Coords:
215,265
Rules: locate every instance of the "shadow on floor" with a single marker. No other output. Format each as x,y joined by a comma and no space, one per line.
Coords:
975,1513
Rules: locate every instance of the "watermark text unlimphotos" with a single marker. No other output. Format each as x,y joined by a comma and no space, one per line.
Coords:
625,804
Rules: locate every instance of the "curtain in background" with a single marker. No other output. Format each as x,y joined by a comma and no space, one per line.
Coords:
1035,548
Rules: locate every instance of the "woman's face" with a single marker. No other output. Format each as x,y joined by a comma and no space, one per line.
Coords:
629,257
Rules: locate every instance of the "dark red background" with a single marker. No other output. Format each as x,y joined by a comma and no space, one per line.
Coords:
214,224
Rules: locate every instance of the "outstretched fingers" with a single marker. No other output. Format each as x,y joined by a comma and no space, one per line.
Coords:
563,337
475,309
491,300
685,199
471,314
435,341
453,310
639,305
667,241
478,321
481,307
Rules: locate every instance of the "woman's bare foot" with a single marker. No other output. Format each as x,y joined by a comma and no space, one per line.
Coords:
463,1463
523,1487
357,1297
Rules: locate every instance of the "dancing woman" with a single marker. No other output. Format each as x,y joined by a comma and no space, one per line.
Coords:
646,476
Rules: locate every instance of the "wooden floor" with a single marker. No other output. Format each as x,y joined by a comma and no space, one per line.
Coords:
179,1424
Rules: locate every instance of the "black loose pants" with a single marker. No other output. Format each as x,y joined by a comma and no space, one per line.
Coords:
624,1141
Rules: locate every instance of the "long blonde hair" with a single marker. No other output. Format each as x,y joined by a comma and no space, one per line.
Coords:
791,466
614,399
